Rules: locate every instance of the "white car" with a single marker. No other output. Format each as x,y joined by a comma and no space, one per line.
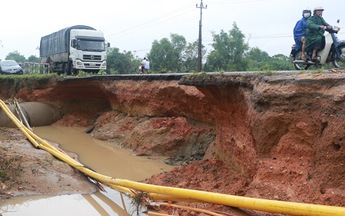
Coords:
10,67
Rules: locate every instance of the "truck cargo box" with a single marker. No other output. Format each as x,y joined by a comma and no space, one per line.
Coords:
58,42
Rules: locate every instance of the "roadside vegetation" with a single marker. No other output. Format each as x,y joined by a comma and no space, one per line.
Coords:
229,52
28,81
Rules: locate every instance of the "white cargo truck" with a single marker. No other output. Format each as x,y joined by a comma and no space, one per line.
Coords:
73,49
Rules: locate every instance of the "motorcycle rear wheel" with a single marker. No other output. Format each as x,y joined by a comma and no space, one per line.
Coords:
299,66
339,61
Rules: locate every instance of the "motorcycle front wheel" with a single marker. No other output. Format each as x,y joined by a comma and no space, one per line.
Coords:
339,61
299,66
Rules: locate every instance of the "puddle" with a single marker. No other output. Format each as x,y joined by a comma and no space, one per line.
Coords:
102,157
75,204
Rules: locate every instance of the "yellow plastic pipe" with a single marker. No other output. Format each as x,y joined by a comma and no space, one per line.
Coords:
160,192
164,197
265,205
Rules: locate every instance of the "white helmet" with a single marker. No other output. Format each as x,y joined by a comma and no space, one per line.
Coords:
319,8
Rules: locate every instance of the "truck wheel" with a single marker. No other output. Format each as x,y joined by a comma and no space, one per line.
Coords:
65,68
70,69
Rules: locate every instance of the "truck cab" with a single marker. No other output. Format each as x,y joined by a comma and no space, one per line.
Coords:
88,50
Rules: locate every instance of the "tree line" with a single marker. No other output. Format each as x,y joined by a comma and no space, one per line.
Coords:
229,53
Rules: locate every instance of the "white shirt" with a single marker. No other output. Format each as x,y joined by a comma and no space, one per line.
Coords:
146,64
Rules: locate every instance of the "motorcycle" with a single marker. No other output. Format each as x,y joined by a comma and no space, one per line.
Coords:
333,51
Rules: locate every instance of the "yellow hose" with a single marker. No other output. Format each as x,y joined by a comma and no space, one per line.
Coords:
170,193
265,205
163,197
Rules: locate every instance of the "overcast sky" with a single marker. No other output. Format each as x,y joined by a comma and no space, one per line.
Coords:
133,25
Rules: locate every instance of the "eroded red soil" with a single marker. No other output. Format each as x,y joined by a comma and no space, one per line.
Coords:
277,137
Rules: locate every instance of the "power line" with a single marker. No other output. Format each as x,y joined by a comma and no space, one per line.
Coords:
181,10
258,37
271,36
171,15
235,2
187,9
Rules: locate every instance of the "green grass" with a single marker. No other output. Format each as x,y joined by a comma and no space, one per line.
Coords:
29,81
28,76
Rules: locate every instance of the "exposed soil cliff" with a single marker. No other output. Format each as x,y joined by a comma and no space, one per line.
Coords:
277,136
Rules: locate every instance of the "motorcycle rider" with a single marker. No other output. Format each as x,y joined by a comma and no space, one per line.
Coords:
145,65
316,26
299,33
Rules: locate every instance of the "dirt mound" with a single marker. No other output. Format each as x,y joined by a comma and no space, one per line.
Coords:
176,138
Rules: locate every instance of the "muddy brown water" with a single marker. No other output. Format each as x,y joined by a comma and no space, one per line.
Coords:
106,159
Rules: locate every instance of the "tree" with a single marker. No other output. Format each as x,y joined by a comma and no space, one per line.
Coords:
190,56
167,55
260,61
228,51
179,44
33,58
257,60
281,62
15,55
121,63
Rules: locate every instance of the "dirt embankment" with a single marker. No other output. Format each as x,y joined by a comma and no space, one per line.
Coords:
274,136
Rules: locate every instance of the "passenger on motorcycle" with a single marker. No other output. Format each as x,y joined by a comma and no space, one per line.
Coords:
316,26
299,33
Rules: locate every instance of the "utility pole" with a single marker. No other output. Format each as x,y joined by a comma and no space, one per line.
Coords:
200,36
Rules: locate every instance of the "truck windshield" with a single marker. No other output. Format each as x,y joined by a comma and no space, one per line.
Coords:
91,45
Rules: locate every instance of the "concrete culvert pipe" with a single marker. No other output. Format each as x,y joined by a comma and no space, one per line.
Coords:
36,113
